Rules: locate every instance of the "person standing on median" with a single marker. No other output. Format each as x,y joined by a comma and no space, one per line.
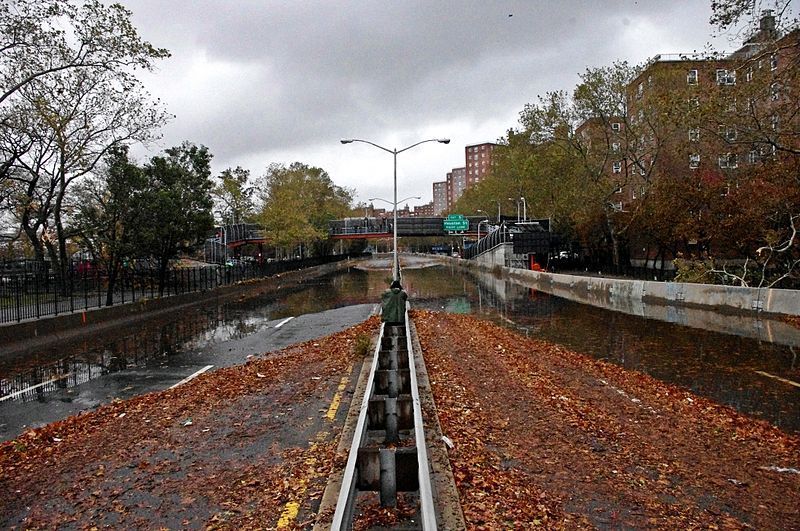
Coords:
393,304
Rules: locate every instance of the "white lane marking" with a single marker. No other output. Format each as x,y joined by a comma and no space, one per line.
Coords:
191,376
633,399
784,380
780,469
31,388
283,322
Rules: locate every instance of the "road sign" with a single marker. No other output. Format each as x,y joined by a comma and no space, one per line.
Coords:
456,222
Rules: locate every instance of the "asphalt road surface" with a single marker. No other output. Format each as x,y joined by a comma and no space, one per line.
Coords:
18,415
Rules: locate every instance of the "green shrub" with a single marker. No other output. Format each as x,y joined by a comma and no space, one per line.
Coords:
362,345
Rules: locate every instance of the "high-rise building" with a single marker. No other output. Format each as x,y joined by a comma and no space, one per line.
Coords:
439,198
478,159
459,184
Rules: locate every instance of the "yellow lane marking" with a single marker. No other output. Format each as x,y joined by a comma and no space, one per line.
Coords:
784,380
292,508
289,514
337,397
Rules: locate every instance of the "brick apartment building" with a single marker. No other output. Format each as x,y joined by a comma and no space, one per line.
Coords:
424,211
478,162
697,117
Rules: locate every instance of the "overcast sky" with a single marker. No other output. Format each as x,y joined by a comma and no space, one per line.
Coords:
281,81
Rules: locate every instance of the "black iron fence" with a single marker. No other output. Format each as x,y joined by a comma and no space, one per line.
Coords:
35,291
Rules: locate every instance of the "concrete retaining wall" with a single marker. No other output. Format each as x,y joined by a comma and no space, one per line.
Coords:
496,256
724,309
632,296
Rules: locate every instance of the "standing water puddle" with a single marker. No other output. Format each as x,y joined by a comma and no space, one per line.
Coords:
754,376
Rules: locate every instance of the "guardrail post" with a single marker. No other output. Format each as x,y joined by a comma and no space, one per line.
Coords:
393,387
388,478
390,420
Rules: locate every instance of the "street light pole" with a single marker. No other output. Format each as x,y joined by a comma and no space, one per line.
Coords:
479,229
498,211
517,200
395,152
524,209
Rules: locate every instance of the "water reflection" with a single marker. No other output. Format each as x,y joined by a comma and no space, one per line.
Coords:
719,366
729,369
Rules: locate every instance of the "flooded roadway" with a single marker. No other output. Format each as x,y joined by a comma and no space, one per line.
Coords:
47,384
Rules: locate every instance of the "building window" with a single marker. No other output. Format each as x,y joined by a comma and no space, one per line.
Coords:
694,160
728,160
753,157
694,103
728,133
774,91
615,147
726,77
691,77
618,189
773,62
639,91
749,75
774,122
616,126
694,134
616,167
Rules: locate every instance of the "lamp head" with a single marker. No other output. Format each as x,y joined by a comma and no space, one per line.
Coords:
346,140
443,140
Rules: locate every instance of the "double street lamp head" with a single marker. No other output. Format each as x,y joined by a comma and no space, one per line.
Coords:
351,140
394,152
387,201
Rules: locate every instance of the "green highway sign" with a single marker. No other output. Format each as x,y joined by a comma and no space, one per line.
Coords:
456,222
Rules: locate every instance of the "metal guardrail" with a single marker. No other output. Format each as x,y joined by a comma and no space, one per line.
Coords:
390,413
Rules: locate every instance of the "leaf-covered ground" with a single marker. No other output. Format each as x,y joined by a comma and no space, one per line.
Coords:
249,446
547,437
542,437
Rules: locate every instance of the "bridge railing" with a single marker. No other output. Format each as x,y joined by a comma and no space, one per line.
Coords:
350,226
490,241
406,226
239,232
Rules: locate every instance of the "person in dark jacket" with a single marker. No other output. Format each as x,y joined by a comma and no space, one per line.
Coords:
393,304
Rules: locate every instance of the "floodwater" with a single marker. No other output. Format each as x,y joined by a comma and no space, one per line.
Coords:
754,376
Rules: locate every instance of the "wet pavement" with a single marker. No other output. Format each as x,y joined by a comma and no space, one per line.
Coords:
52,382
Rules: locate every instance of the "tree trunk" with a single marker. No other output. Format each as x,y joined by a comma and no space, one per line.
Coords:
614,243
113,272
